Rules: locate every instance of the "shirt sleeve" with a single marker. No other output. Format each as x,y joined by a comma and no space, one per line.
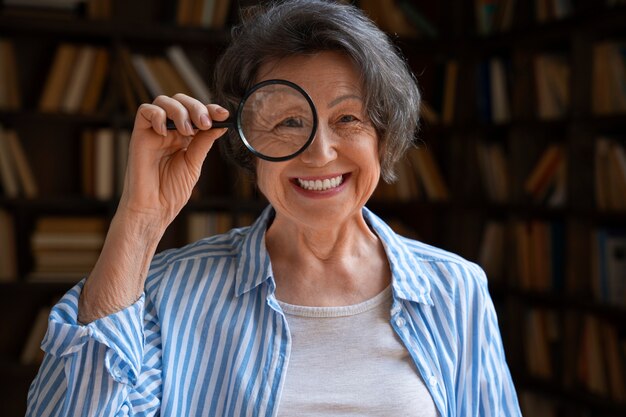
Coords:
497,396
110,367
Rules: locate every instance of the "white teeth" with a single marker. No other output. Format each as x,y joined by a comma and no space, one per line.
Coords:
321,185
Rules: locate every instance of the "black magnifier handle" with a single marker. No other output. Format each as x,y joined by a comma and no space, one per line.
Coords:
169,124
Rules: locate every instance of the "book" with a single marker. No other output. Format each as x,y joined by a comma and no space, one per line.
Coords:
494,171
8,264
104,164
167,76
538,336
58,77
429,175
192,78
95,84
610,174
10,96
491,252
77,82
548,169
552,77
133,79
147,75
610,266
500,109
8,174
21,165
220,14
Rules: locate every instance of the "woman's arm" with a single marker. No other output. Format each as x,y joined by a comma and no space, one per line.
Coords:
111,367
163,168
103,346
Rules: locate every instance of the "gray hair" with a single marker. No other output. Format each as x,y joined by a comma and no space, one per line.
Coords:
299,27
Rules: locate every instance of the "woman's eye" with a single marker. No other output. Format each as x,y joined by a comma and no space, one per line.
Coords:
347,118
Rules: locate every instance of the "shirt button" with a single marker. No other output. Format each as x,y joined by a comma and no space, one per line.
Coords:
396,309
432,381
400,322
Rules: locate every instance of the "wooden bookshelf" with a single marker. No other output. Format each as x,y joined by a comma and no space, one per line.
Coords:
52,142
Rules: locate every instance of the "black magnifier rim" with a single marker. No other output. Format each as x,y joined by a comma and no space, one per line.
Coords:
242,103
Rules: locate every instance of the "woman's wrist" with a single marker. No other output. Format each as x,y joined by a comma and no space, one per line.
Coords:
118,277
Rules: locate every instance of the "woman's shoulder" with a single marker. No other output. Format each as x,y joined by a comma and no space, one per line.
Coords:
432,254
216,247
447,273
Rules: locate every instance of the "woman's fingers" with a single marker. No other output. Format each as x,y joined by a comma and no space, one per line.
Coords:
192,120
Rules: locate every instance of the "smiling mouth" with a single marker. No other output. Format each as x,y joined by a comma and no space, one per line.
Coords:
320,185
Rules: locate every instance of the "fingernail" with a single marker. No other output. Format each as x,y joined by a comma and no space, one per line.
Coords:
221,110
163,129
189,127
204,121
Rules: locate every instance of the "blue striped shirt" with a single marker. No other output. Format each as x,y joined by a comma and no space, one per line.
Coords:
208,337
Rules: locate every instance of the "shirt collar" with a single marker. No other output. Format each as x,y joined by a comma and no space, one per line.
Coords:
409,279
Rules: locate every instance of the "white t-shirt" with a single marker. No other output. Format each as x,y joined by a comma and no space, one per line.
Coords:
348,361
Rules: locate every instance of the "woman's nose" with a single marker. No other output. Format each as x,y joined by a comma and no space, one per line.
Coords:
322,150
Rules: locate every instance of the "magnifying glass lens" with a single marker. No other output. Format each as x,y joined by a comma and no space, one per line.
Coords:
277,121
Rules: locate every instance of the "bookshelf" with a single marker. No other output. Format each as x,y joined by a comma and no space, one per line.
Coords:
480,65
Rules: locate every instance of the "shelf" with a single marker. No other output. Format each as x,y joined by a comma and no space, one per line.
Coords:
561,302
26,117
25,287
83,29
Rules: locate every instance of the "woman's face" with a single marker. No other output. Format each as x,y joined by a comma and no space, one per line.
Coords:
335,176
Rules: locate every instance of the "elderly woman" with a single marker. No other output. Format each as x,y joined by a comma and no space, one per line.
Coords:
318,308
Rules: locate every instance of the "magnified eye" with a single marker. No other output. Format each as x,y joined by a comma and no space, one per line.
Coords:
291,122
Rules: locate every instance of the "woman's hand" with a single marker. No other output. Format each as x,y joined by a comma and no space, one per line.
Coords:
164,165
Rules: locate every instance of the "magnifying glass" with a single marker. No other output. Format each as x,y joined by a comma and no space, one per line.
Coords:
276,120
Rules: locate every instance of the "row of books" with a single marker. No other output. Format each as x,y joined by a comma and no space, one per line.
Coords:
546,10
104,158
596,352
543,258
493,16
205,224
66,248
16,176
145,77
608,95
493,92
419,177
400,17
610,173
10,97
212,14
77,80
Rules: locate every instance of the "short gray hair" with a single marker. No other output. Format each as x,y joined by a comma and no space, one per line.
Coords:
299,27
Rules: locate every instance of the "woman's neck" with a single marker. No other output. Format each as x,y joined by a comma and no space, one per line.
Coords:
340,264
